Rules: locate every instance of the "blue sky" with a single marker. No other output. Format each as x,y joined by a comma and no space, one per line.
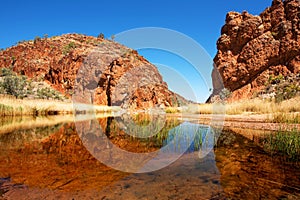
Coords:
199,20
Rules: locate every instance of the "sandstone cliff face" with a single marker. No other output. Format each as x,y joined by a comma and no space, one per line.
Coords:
252,48
92,70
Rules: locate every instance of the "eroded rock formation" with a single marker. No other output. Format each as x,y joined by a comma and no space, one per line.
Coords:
252,48
92,70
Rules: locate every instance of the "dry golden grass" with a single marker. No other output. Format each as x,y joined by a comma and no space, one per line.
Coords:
13,123
172,110
286,118
10,124
286,111
255,106
215,108
10,106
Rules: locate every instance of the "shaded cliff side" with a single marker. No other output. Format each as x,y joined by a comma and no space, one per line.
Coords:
92,70
253,49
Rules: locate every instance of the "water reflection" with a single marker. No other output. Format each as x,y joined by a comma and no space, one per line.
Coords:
53,162
142,125
139,146
247,172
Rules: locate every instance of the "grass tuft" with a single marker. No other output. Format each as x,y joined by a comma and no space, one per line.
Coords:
11,106
283,143
287,111
172,110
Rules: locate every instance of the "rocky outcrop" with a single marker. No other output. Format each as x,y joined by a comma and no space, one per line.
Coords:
253,48
91,70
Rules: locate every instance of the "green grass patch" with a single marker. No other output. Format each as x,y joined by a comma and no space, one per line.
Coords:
284,143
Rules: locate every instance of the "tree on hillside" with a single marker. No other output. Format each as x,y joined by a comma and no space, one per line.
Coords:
113,37
101,36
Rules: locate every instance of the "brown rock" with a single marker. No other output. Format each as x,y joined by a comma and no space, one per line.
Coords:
251,48
294,65
93,69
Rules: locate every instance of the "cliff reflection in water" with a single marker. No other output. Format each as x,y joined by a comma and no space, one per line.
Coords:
60,161
55,157
141,143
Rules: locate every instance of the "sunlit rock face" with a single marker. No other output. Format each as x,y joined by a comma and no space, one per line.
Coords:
92,70
252,48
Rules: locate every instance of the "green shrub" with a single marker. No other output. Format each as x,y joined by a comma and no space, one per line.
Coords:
101,36
69,47
274,34
20,87
36,39
284,87
225,94
47,93
113,37
286,92
14,85
6,72
276,79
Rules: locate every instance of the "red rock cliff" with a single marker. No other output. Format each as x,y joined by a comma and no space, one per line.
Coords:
251,48
93,70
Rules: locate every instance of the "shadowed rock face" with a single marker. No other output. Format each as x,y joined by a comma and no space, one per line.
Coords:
93,70
251,48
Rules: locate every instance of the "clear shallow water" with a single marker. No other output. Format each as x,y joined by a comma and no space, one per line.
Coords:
59,161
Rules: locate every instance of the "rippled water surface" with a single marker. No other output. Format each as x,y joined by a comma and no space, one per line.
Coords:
136,157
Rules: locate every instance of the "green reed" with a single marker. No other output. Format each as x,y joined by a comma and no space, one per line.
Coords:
284,143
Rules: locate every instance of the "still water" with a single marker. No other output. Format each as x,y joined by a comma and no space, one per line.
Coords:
136,157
